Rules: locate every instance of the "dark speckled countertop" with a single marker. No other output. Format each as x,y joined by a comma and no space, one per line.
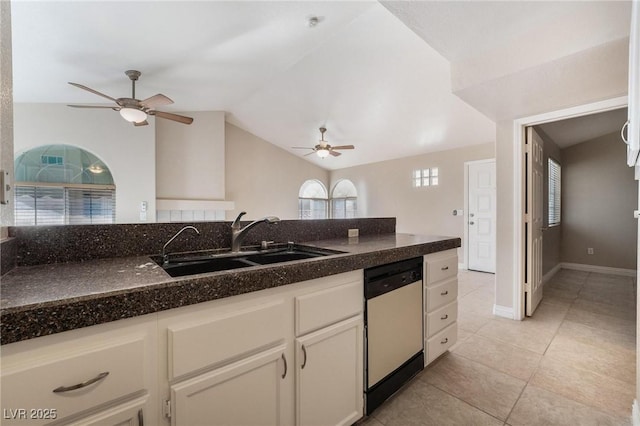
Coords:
48,299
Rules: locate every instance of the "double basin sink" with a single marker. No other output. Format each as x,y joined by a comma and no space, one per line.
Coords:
198,263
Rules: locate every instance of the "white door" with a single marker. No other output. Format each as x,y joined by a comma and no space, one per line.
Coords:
533,220
329,383
482,216
251,391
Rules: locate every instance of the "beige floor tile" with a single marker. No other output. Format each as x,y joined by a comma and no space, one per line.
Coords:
422,404
605,393
560,294
524,334
549,314
624,312
492,391
466,287
603,359
369,421
516,362
596,336
538,407
472,322
624,299
463,335
603,322
608,278
568,286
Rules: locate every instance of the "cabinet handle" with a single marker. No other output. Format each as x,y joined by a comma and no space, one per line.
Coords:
444,293
81,385
284,358
444,317
446,339
622,132
304,352
444,268
140,418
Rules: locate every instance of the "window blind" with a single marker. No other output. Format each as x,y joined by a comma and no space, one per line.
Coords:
554,192
53,205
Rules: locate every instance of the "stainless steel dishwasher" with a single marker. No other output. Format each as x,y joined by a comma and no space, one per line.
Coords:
393,324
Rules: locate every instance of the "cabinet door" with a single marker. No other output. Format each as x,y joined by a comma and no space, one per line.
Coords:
133,413
329,387
251,391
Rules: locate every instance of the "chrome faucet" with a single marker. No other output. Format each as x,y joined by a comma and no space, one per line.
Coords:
238,234
165,256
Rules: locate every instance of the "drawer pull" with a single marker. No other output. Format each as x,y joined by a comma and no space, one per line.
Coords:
285,366
446,340
444,293
444,317
81,385
444,268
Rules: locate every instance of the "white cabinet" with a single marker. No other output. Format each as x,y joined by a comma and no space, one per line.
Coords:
441,305
77,375
232,361
329,352
633,129
132,413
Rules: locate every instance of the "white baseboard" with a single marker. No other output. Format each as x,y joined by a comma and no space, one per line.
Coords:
635,413
503,311
600,269
551,273
462,266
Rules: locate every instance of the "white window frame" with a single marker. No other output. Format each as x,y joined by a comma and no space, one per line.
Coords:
554,213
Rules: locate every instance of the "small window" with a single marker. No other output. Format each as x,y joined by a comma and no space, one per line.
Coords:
554,192
425,177
344,200
313,200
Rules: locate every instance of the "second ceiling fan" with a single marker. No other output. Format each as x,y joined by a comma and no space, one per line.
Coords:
323,149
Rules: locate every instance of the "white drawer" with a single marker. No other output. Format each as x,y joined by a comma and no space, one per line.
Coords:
441,294
32,386
438,344
224,335
441,268
325,307
441,318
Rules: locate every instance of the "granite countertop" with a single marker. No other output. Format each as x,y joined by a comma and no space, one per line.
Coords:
48,299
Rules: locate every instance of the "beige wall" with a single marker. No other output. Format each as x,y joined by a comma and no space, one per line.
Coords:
190,158
263,179
128,151
6,109
552,236
599,195
385,189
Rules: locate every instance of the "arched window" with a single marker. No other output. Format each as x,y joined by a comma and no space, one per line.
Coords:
344,200
62,184
313,200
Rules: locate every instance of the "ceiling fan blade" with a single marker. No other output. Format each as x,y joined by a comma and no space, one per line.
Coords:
300,147
306,155
88,89
156,101
343,147
171,116
142,123
334,153
115,107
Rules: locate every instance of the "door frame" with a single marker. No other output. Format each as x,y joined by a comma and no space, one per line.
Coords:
465,216
519,136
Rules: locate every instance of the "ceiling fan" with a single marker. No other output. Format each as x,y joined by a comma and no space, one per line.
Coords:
133,110
323,149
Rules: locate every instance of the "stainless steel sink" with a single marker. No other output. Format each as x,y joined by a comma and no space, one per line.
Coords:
199,263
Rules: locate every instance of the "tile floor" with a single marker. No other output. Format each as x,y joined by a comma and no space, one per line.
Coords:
572,363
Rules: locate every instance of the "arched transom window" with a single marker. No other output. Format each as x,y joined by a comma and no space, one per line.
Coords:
313,200
62,184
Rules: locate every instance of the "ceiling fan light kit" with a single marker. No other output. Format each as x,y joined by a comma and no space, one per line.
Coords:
323,149
134,110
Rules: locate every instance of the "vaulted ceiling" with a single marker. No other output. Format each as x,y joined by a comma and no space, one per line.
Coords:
395,79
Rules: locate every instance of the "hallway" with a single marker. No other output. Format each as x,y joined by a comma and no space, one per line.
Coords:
572,363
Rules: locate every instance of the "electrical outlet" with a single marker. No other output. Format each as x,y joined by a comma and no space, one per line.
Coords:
353,233
590,250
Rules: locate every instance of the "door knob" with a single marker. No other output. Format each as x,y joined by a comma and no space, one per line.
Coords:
471,215
472,223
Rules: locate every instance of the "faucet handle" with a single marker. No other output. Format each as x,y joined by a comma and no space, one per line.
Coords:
236,222
265,244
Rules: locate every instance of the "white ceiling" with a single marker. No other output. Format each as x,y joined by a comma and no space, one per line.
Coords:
566,133
365,72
